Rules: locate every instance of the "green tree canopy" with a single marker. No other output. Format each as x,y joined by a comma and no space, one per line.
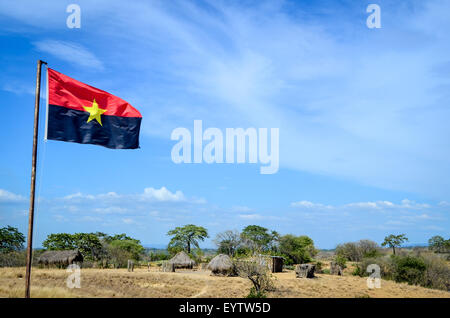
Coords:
260,238
11,239
297,249
228,242
186,236
394,241
438,244
131,246
88,244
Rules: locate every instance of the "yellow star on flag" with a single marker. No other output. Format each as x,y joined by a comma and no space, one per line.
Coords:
95,112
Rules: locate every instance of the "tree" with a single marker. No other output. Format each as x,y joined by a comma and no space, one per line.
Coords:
187,236
88,244
356,251
368,248
260,238
11,239
228,242
394,241
258,273
117,237
131,246
297,249
438,244
59,241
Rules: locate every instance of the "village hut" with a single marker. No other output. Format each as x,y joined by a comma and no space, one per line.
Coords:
182,260
222,265
60,258
274,263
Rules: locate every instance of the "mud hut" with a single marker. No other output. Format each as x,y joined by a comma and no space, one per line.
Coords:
182,260
274,263
222,265
60,258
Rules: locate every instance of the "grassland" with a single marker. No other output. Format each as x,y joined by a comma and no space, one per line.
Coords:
185,284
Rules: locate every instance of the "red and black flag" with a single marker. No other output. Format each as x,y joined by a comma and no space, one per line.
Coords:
84,114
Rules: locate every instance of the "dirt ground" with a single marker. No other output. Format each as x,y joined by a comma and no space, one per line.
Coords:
142,283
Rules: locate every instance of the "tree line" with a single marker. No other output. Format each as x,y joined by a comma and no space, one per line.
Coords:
253,239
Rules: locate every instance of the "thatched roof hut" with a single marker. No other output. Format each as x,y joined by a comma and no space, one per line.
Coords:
60,258
222,265
182,260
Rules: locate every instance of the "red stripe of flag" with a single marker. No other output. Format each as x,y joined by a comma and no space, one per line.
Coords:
67,92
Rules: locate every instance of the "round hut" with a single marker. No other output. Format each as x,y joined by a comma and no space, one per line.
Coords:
60,258
182,260
222,265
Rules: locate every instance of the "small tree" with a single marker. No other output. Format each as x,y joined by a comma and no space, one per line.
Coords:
356,251
187,236
131,246
297,249
259,238
258,273
438,244
11,239
228,242
394,241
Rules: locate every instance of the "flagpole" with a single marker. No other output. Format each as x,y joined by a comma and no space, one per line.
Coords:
33,179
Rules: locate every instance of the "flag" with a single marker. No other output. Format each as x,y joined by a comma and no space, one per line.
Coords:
84,114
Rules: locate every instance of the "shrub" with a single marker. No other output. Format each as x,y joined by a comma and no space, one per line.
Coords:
341,261
437,274
13,259
258,273
410,269
297,249
356,251
385,263
256,294
319,265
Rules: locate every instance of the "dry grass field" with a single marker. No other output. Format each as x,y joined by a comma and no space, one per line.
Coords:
141,283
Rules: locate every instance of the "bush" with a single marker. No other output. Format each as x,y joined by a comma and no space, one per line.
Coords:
341,261
258,273
319,266
13,259
385,263
437,274
409,269
356,251
256,294
297,249
159,256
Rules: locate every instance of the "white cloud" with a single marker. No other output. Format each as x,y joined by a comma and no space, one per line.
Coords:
239,208
6,196
128,221
308,204
372,205
163,195
111,210
379,205
70,52
251,216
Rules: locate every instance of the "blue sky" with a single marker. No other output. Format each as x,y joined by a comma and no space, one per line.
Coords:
363,117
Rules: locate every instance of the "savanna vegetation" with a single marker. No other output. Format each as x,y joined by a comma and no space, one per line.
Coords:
424,266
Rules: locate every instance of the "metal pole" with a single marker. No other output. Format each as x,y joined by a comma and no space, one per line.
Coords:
33,179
